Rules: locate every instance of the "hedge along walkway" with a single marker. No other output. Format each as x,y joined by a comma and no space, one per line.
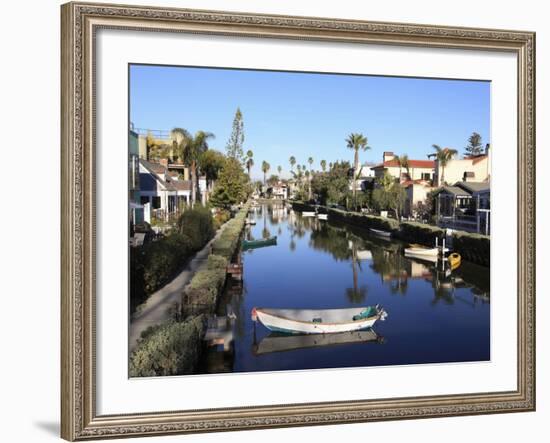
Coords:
156,309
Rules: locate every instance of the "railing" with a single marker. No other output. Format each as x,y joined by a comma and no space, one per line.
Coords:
156,133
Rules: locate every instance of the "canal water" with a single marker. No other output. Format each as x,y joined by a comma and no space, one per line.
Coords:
435,315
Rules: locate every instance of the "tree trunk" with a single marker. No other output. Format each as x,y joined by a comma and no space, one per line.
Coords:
193,183
355,172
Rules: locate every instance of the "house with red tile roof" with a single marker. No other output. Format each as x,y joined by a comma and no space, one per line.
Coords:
418,169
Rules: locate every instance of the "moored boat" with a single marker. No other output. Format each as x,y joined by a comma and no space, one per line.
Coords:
318,321
250,221
308,214
322,216
260,243
380,232
422,252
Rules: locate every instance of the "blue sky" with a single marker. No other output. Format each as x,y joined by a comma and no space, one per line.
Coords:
304,114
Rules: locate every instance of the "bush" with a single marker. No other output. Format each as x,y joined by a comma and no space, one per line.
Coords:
197,224
473,247
422,233
172,348
222,216
364,221
201,295
226,244
154,264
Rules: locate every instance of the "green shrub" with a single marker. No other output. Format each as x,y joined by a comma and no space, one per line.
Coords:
197,224
473,247
172,348
363,220
201,295
422,233
221,217
226,244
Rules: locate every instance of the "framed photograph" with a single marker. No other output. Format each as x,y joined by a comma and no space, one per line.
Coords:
277,221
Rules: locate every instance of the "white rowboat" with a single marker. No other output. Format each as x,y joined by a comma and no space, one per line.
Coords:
322,216
380,232
317,321
308,214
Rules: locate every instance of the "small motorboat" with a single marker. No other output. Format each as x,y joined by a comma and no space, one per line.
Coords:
308,214
454,260
322,216
318,321
260,243
380,233
250,221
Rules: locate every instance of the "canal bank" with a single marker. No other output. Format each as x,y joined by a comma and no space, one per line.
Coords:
174,325
473,247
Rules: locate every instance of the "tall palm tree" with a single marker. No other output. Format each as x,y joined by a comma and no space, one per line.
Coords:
265,168
310,161
292,161
190,149
403,161
279,169
443,156
324,165
356,141
249,161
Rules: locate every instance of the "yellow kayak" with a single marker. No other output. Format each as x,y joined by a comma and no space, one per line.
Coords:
454,260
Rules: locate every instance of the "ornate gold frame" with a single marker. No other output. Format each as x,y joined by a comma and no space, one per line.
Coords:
79,420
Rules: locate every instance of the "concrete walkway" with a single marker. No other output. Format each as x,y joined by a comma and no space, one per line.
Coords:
157,307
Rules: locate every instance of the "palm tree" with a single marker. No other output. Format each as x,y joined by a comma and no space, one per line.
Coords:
190,149
403,161
324,165
265,168
310,161
279,169
356,141
249,161
292,161
443,155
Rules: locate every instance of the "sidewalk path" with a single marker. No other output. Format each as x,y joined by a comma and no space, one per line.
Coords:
156,309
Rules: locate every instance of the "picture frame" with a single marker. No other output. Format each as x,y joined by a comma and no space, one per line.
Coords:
80,23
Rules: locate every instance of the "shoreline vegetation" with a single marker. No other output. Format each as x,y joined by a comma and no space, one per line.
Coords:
175,346
473,247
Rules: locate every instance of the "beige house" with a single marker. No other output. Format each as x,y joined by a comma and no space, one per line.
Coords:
417,192
418,169
470,169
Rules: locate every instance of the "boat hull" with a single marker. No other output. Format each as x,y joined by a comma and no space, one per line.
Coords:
308,214
278,322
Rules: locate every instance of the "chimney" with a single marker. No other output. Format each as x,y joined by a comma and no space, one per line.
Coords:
387,156
487,147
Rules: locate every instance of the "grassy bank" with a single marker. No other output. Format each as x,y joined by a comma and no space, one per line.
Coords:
473,247
202,294
155,264
175,347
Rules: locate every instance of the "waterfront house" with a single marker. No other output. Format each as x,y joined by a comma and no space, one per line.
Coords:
476,168
417,170
417,192
465,206
162,193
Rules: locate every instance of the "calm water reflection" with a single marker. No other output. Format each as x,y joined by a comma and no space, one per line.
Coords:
434,315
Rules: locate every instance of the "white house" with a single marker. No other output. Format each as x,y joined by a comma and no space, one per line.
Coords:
164,193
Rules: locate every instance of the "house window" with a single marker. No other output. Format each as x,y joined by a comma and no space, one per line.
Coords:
144,200
156,202
426,176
